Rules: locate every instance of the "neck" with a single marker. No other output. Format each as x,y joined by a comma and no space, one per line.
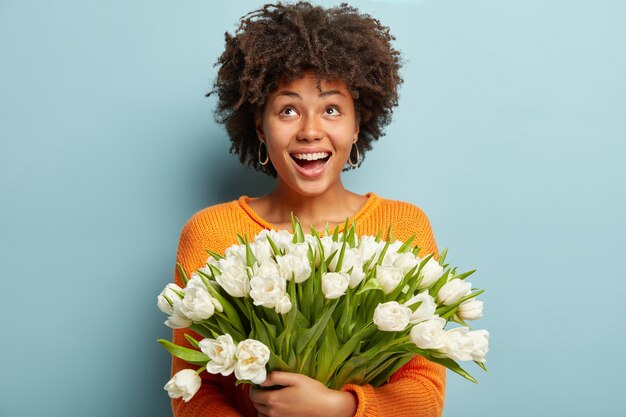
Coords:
332,207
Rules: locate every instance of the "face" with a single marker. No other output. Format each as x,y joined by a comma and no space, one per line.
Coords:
309,133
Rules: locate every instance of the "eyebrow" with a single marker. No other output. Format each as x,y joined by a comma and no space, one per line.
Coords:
326,93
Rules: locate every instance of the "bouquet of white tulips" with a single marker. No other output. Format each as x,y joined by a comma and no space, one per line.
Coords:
340,308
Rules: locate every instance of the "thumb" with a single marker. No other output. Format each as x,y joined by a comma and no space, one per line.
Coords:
284,379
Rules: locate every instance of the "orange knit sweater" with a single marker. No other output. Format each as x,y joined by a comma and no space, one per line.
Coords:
417,389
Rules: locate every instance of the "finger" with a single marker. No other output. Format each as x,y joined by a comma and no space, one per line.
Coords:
258,396
262,409
284,379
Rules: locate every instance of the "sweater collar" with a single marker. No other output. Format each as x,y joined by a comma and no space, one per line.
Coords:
372,201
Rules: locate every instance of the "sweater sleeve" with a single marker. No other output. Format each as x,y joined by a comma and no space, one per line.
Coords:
418,388
209,400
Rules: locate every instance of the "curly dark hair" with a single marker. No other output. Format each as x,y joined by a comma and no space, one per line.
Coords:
280,42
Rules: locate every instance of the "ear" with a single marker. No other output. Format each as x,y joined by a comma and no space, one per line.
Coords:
258,126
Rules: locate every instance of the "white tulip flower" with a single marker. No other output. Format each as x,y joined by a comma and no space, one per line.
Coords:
480,340
388,277
221,352
457,344
426,309
252,356
294,266
184,384
405,262
391,316
236,253
177,320
368,247
428,334
470,309
335,284
267,286
170,292
430,273
233,279
283,305
197,305
453,290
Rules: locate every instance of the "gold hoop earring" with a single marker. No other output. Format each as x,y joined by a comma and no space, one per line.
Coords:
267,156
353,164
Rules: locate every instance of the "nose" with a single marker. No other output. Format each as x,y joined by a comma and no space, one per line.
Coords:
311,129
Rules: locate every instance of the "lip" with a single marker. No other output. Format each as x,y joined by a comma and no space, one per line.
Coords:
309,150
311,174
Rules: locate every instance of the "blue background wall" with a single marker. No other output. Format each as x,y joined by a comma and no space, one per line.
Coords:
510,135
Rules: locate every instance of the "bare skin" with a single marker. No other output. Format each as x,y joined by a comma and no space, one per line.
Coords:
301,397
300,119
271,207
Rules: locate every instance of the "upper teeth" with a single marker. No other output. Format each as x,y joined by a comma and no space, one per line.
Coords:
311,156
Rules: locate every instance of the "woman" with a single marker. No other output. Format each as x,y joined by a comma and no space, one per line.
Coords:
303,92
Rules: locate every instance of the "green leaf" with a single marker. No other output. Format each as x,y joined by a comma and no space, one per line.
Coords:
434,290
227,327
446,308
229,310
328,260
341,254
382,253
387,370
259,331
306,340
344,315
366,264
298,233
250,258
193,342
351,235
352,371
389,234
371,284
188,355
349,347
183,274
464,274
345,229
271,330
407,245
310,256
442,256
453,366
215,255
277,364
204,330
273,246
404,286
214,271
329,345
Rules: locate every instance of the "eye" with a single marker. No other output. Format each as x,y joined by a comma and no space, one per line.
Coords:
288,111
332,111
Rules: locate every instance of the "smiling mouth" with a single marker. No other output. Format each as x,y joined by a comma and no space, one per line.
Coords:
311,161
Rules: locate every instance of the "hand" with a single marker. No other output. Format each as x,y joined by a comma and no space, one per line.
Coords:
300,396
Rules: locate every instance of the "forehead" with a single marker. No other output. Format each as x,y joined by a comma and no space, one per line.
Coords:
311,83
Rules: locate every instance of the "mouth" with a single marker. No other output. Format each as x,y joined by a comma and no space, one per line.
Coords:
311,162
